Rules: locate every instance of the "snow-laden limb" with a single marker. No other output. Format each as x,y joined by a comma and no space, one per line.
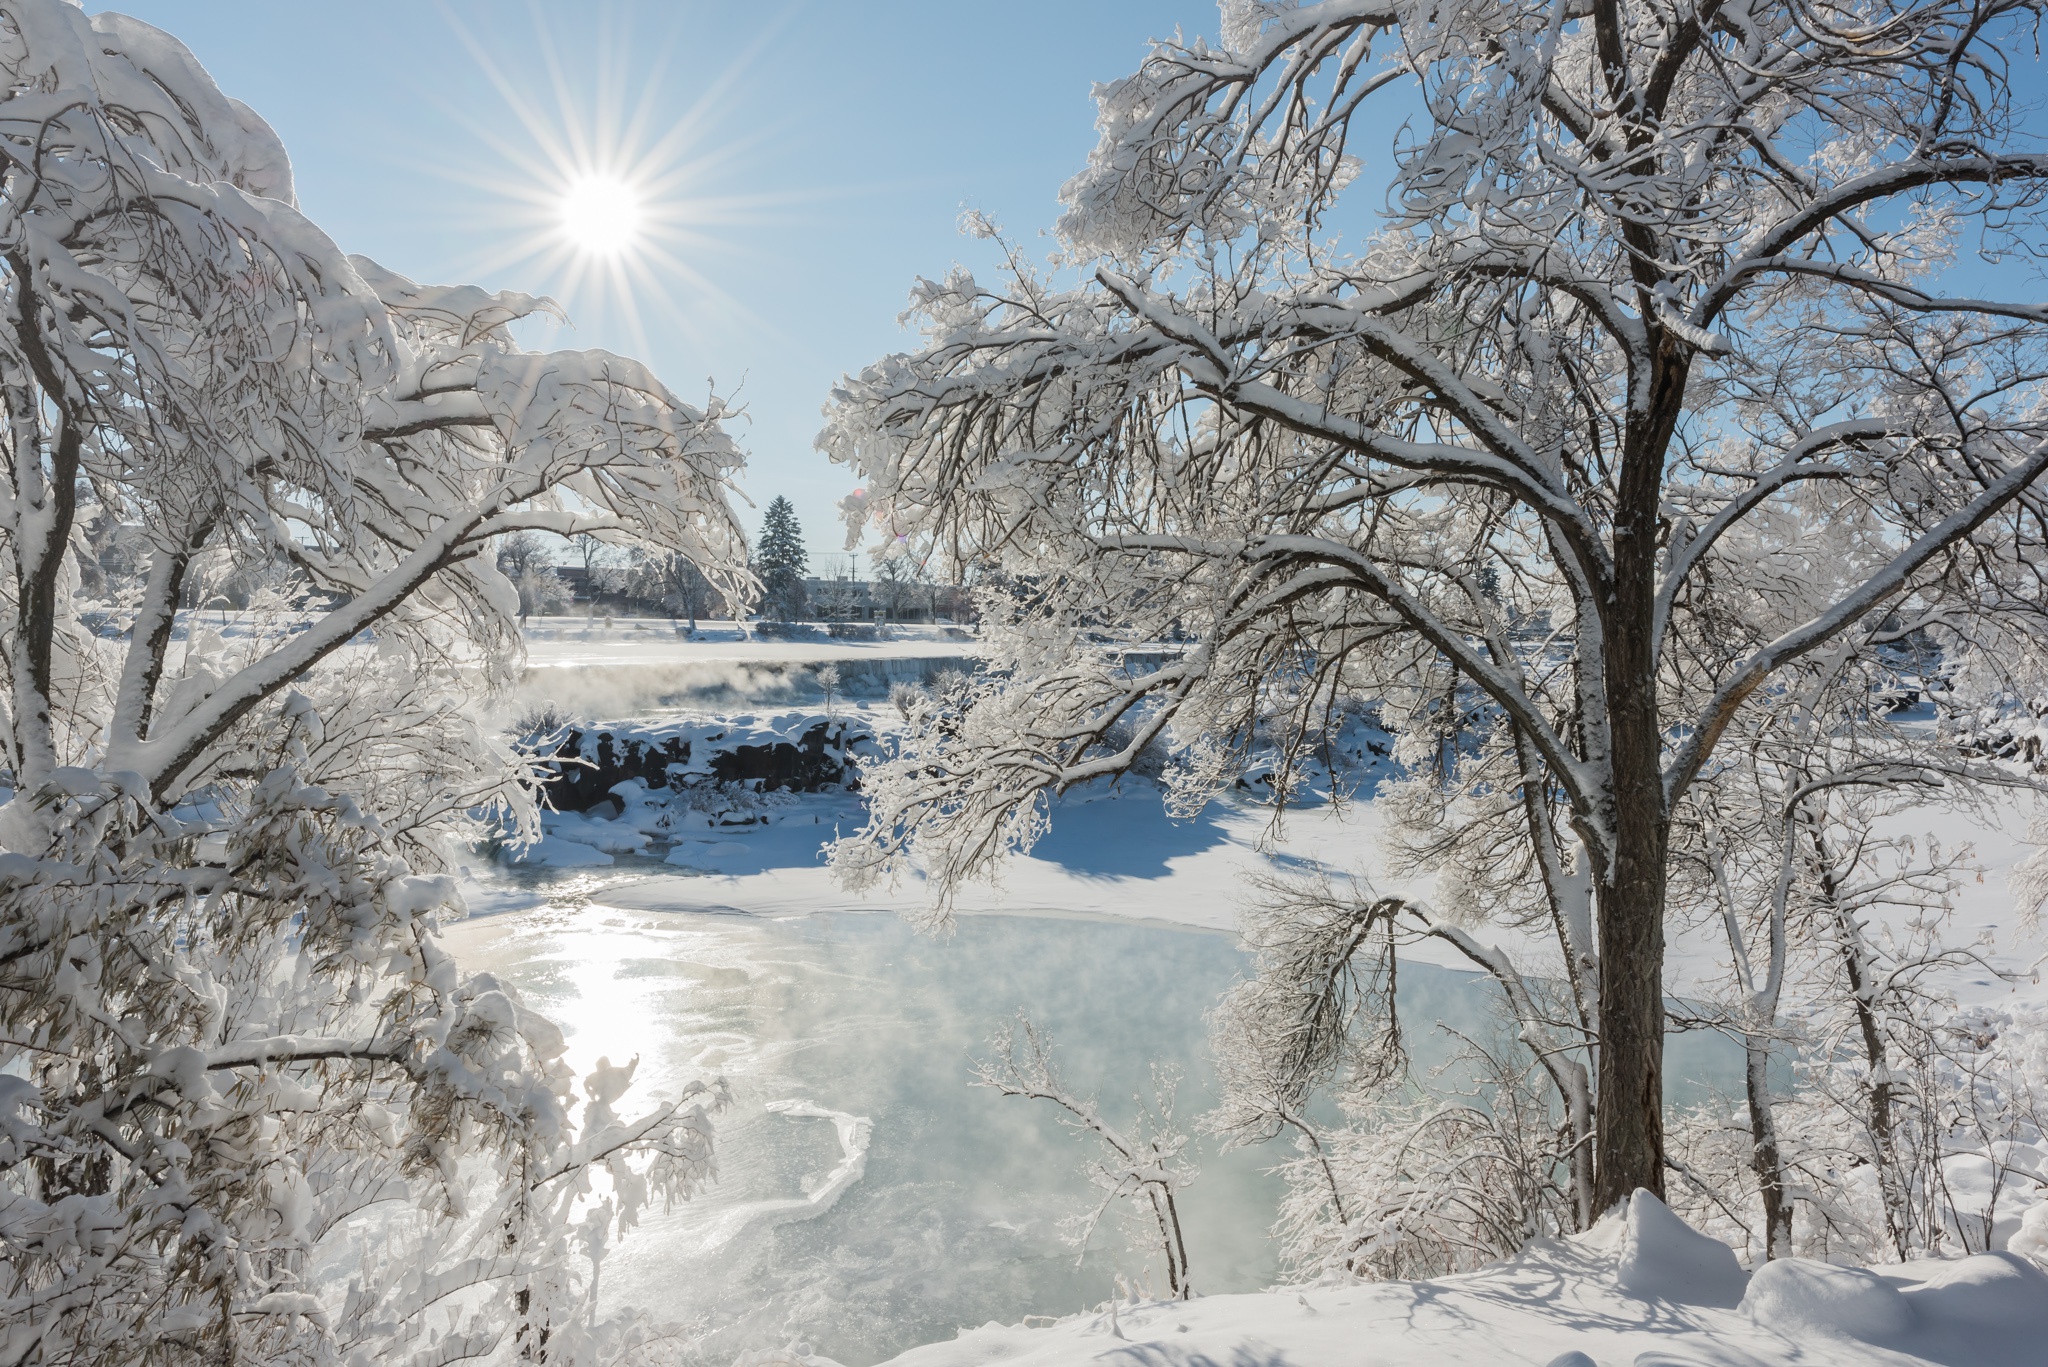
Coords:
1146,1160
1404,1185
1644,388
250,1110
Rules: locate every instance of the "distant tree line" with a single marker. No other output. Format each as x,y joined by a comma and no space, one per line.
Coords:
554,578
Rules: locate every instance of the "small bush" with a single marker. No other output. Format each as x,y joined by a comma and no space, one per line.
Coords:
541,722
906,698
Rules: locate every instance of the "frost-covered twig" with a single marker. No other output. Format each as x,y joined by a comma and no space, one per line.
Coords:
1147,1162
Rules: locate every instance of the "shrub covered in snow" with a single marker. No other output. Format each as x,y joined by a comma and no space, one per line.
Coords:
250,1111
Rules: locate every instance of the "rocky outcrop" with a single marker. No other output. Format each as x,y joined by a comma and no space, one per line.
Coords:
793,753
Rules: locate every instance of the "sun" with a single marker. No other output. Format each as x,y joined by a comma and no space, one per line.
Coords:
601,215
603,190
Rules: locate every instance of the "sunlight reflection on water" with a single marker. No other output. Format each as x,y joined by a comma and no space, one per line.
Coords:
955,1220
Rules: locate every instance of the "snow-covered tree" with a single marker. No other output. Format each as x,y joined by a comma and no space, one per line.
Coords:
1840,956
780,560
249,1108
1412,1181
671,582
1634,382
901,585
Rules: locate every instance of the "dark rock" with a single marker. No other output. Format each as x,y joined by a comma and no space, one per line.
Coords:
586,766
804,767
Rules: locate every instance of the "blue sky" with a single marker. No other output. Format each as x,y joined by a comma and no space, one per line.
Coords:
825,154
818,158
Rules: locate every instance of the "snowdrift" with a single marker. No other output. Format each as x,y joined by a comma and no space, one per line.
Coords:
1639,1290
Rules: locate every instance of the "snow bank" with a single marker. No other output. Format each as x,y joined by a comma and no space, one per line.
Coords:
1664,1258
1796,1295
1982,1298
613,837
554,852
1639,1290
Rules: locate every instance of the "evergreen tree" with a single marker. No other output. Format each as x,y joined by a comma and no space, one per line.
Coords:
779,561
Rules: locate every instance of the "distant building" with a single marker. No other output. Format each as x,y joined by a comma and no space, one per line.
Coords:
846,599
837,599
607,589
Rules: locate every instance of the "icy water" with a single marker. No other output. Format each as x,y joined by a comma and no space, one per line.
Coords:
822,1022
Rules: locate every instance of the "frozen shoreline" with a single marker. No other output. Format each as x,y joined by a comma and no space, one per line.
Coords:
1116,854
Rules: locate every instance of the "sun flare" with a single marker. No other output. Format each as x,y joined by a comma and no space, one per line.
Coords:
601,215
607,194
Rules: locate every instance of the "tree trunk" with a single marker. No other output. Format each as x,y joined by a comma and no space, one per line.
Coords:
1580,1108
1630,1106
1765,1156
1630,1151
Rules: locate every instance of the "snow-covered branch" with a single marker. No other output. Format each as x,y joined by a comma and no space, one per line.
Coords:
228,1031
1635,383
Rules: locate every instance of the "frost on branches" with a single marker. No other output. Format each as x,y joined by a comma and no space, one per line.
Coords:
248,1109
1559,374
1145,1159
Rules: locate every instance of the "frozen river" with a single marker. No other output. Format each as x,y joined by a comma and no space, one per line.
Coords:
952,1216
955,1219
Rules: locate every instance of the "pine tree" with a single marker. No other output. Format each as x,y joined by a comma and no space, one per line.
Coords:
779,561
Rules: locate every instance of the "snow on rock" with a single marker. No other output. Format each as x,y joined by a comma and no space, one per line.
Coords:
1988,1294
1797,1295
611,836
796,751
1664,1258
553,852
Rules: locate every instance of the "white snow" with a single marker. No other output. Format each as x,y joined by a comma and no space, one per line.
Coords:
1798,1296
1663,1258
1563,1303
1113,851
554,852
613,837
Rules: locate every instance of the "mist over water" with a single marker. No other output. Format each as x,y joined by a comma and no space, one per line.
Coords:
956,1218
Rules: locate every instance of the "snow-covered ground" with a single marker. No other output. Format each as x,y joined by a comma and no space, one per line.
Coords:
1640,1291
1113,851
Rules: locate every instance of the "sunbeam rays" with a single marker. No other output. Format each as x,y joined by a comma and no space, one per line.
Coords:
608,179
